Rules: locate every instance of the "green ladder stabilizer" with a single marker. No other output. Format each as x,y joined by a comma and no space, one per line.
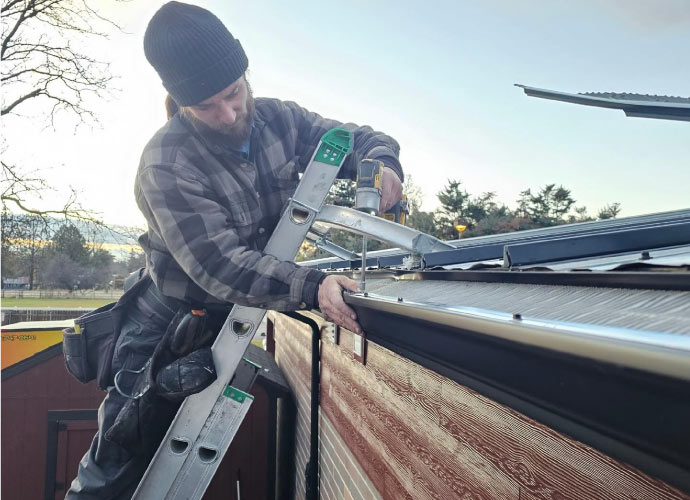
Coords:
207,422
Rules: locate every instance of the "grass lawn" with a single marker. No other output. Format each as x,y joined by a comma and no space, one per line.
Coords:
65,303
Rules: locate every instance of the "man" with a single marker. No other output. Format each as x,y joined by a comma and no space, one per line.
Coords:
211,184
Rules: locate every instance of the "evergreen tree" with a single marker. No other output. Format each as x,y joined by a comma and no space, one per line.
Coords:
610,211
69,241
454,204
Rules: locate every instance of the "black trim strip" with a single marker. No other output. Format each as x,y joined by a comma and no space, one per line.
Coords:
392,260
30,362
634,416
469,254
664,113
629,240
608,279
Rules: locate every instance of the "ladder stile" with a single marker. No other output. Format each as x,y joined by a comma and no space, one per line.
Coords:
206,422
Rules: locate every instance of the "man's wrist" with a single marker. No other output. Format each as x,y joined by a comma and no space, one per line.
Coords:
310,289
316,292
394,164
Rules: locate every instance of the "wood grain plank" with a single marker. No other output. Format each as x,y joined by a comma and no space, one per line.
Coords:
543,461
425,468
414,432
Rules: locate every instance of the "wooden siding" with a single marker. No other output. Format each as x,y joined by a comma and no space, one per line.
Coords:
26,399
415,434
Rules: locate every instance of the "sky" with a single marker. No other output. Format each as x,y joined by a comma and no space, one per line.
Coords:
438,76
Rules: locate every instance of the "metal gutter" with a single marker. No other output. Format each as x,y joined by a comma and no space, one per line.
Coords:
654,352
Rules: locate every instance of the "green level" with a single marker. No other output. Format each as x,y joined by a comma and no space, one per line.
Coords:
335,145
236,394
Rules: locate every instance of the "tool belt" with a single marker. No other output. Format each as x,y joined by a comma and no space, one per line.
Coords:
181,364
89,346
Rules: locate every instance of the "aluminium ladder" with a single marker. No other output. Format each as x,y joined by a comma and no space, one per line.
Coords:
207,422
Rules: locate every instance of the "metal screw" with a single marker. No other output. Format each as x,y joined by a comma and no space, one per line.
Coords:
517,316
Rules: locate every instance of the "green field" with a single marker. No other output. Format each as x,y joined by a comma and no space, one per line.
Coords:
47,302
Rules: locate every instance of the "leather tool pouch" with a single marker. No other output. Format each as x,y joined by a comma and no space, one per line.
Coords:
89,346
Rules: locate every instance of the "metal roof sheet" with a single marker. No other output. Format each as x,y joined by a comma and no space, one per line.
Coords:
635,105
643,241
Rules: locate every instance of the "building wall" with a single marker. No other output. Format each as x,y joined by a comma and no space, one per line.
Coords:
393,429
26,399
340,474
29,395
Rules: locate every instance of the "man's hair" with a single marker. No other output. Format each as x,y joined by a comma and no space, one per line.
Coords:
171,106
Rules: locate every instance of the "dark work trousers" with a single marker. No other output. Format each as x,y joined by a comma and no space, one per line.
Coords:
108,471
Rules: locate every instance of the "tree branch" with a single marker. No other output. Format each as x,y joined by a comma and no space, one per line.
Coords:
33,93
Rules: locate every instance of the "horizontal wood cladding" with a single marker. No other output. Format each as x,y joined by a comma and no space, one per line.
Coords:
421,460
341,474
416,434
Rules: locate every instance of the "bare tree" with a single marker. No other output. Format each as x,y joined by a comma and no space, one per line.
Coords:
44,63
40,58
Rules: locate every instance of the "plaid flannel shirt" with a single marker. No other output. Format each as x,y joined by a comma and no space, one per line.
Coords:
210,212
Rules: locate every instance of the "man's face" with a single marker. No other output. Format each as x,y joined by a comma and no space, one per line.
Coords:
226,115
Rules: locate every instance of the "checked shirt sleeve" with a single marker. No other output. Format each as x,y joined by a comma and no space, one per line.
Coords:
368,143
198,232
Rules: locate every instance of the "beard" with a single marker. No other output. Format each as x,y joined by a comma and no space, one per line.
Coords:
235,135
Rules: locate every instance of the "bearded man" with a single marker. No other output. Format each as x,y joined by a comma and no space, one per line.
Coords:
211,184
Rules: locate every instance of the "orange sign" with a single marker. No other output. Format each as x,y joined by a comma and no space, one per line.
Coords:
23,340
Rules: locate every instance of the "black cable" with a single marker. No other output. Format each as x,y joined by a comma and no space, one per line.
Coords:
311,474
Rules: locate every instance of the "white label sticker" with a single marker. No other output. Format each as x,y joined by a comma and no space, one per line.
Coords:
357,345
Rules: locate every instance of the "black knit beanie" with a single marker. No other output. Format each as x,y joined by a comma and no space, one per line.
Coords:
193,52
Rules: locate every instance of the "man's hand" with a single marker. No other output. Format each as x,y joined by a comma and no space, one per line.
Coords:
332,304
391,189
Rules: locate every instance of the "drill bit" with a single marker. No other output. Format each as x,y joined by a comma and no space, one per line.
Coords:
362,284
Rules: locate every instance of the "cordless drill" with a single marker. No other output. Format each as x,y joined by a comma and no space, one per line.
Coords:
368,199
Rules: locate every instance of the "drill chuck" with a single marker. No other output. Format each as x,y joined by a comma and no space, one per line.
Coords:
368,200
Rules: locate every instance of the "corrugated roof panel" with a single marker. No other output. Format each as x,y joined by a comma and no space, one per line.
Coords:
626,96
619,236
655,310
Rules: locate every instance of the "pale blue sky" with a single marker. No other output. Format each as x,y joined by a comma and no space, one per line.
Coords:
437,76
